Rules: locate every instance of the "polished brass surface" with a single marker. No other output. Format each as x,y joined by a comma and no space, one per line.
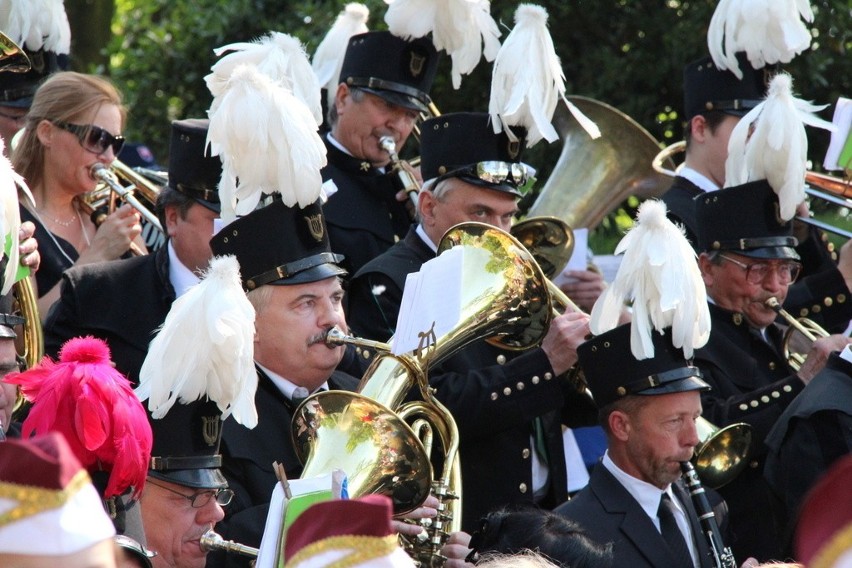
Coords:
377,438
335,336
593,176
549,239
722,453
212,541
120,181
26,305
795,347
13,59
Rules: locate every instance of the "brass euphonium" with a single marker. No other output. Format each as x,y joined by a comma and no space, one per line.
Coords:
383,444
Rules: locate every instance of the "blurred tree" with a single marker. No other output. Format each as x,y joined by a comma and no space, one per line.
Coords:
628,53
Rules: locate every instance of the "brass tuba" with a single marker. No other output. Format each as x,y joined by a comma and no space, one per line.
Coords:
593,176
383,444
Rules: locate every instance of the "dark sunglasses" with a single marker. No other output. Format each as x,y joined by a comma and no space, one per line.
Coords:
93,138
494,172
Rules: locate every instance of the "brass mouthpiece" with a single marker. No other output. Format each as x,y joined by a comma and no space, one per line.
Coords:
772,302
335,337
388,145
211,541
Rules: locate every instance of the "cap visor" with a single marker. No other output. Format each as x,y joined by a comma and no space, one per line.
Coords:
314,274
25,102
398,99
683,385
204,478
770,253
501,187
214,207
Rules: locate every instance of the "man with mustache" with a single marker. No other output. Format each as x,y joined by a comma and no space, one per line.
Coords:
648,409
384,88
747,257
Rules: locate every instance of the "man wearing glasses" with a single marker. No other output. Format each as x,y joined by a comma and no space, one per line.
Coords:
185,492
507,405
748,257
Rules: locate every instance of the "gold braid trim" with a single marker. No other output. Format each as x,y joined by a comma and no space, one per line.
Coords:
34,500
363,548
831,551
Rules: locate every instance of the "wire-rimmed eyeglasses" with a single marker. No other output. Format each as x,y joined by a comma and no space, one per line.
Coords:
199,499
757,272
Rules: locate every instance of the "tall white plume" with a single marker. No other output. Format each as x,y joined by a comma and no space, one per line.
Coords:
527,82
279,56
36,24
462,28
770,143
768,31
268,141
328,58
205,349
10,216
660,276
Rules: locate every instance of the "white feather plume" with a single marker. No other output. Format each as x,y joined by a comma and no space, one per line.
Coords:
37,24
205,348
660,276
328,58
462,28
770,143
527,82
268,142
10,216
768,31
279,56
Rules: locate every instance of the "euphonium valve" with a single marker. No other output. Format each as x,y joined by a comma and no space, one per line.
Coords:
403,176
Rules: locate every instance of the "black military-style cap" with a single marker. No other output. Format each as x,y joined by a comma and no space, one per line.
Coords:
612,371
280,245
707,88
192,170
17,89
399,71
451,145
8,318
186,445
744,219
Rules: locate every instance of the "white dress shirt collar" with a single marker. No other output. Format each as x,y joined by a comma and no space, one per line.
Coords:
286,387
181,277
425,238
702,181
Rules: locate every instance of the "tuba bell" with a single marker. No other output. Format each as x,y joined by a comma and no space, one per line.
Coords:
593,176
383,443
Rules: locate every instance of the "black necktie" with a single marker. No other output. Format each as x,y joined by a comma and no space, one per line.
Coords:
671,532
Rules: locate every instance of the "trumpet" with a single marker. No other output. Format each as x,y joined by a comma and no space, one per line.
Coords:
212,541
102,173
809,329
402,176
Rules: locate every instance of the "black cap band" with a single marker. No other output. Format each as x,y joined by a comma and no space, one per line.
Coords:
758,242
290,269
375,83
166,463
653,381
198,192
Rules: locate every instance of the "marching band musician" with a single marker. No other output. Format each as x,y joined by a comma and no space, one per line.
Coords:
124,302
714,102
748,256
502,403
384,88
74,123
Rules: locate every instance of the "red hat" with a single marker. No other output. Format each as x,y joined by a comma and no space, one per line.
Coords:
824,530
48,505
359,530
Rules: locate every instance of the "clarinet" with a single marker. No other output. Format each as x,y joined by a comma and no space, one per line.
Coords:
722,555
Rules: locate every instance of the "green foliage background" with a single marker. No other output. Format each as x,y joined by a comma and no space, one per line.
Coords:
628,53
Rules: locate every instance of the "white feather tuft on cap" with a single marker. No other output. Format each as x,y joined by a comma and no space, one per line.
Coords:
770,143
268,142
37,24
205,349
279,56
659,275
462,28
10,216
527,82
768,31
328,58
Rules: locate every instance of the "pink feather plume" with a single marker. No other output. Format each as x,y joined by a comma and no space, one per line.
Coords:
86,399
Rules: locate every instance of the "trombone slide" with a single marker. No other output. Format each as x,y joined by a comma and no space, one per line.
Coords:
102,173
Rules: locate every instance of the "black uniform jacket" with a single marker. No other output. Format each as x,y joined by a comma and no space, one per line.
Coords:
494,396
123,302
813,433
247,457
609,513
364,218
750,383
680,202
